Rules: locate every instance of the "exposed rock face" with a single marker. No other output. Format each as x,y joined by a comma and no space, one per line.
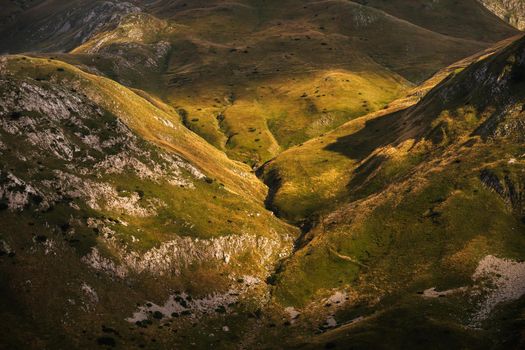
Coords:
511,191
512,11
496,281
172,257
504,280
56,123
182,304
70,26
493,87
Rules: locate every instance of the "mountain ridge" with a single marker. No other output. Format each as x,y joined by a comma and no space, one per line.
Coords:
189,57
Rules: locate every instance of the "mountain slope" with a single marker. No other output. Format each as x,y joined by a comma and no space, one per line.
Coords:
446,17
304,179
433,207
316,38
255,78
55,25
101,189
129,219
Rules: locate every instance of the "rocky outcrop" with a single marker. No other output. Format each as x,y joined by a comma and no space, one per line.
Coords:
65,127
174,256
512,191
512,11
64,27
495,281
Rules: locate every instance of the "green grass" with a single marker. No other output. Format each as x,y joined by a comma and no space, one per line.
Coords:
320,83
395,201
407,208
431,231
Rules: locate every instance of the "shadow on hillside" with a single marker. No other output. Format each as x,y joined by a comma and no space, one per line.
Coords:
376,133
389,130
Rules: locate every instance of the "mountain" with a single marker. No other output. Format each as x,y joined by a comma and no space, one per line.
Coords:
260,174
254,78
102,188
446,17
418,208
512,11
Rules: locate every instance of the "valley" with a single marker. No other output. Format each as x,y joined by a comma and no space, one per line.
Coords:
262,174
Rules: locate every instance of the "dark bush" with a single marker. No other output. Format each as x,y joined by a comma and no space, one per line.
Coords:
108,341
158,315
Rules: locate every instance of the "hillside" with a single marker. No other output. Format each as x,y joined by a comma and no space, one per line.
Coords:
56,25
103,192
258,174
446,17
413,204
255,80
295,173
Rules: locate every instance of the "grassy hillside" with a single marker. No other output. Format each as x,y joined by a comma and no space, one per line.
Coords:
132,215
282,58
310,180
106,194
434,202
460,19
255,78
